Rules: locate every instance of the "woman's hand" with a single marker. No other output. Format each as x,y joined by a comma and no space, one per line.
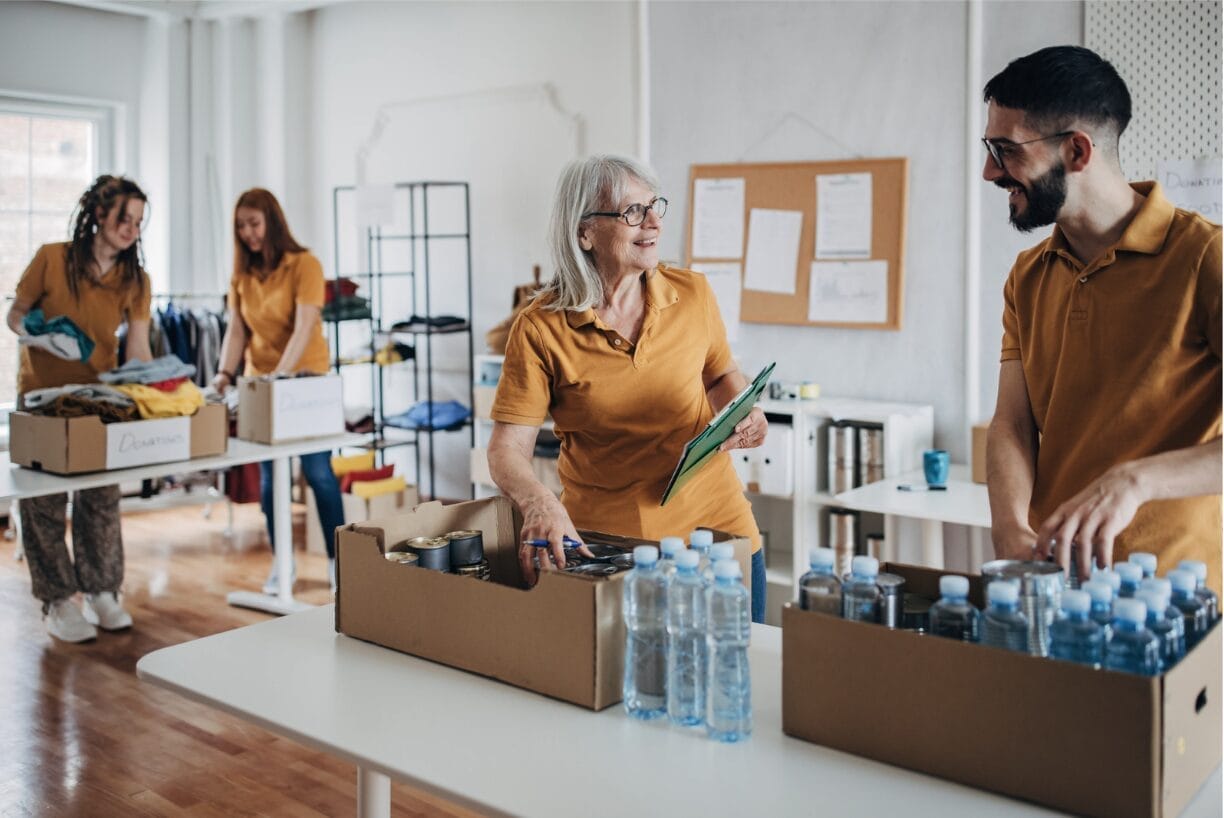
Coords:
749,432
544,518
221,382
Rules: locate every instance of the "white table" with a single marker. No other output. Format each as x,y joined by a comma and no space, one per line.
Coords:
964,502
17,483
500,750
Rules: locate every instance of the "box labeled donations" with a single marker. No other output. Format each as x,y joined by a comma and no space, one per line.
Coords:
563,638
84,444
1091,742
276,410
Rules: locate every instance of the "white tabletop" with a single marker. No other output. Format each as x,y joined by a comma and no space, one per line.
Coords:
499,749
18,483
964,501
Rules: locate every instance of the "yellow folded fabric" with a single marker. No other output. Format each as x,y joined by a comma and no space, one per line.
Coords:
355,462
154,403
367,489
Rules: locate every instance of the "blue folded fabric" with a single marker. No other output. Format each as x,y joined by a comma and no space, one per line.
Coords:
36,323
426,415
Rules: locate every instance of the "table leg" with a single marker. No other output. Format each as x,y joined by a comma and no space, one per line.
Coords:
932,544
283,602
373,794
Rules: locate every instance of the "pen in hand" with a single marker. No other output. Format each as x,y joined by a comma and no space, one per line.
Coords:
567,542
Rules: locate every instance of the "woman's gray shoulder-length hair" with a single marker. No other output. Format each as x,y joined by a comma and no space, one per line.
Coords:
594,183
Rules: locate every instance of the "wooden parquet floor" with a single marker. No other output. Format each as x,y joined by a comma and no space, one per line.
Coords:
80,735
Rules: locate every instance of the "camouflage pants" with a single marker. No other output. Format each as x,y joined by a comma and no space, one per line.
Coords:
97,543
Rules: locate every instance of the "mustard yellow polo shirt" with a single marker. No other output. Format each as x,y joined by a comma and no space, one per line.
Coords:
624,411
1121,359
268,308
102,307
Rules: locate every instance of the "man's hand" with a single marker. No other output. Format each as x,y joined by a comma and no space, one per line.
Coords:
1092,519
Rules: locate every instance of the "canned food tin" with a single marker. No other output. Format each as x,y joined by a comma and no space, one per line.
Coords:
622,561
433,552
594,569
402,557
915,613
466,547
1041,586
478,571
891,599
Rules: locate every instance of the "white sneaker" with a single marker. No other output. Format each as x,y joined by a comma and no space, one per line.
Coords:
331,575
105,611
272,583
65,622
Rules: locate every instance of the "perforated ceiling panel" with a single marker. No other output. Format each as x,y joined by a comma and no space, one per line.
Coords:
1169,55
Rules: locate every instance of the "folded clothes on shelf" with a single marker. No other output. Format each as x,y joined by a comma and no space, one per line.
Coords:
436,415
394,353
368,489
339,288
59,336
165,368
343,464
366,475
430,323
346,308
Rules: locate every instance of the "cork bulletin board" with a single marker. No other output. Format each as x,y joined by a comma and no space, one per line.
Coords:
849,269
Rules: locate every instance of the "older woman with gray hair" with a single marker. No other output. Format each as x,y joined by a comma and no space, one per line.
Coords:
630,358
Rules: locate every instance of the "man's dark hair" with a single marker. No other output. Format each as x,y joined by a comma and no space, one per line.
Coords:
1059,85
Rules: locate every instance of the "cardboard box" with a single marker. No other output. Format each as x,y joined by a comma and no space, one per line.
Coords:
563,638
357,509
979,452
1092,742
85,444
275,411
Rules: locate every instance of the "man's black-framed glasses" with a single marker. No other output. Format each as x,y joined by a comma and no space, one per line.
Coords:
635,214
1000,148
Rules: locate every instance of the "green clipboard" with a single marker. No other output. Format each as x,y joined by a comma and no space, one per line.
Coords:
698,451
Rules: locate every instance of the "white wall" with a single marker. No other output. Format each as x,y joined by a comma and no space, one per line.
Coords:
459,92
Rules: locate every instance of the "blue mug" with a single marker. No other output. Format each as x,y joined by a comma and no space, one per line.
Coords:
935,467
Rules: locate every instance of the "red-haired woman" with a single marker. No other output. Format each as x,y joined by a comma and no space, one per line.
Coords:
275,306
97,280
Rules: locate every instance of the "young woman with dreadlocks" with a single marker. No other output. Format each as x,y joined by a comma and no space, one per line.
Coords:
96,280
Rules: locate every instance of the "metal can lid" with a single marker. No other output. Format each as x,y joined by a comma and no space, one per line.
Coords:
426,542
402,556
462,535
890,583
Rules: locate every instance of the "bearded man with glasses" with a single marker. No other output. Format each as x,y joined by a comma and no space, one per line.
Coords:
1106,433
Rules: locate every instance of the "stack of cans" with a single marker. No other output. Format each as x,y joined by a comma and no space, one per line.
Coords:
402,557
1041,587
467,557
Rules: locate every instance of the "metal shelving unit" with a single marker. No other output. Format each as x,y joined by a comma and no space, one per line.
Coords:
397,272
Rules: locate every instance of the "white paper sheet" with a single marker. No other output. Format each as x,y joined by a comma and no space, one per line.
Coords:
724,278
848,292
718,218
773,250
1193,184
843,216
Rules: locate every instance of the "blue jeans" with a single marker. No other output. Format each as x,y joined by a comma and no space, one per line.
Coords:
758,586
326,488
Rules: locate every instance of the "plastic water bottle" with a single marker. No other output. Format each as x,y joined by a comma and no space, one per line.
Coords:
718,551
686,643
1206,595
669,548
1003,625
1193,610
1132,648
860,594
729,717
952,616
1101,611
1110,577
1130,575
1145,560
700,541
820,589
645,614
1171,649
1076,637
1164,589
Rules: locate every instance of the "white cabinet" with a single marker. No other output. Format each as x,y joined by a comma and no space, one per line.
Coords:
487,369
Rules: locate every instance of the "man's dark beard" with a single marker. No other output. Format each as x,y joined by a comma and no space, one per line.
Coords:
1045,196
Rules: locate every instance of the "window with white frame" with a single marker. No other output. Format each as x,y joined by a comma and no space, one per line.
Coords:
49,154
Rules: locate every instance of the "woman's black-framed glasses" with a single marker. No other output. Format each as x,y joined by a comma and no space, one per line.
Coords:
635,214
1000,148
